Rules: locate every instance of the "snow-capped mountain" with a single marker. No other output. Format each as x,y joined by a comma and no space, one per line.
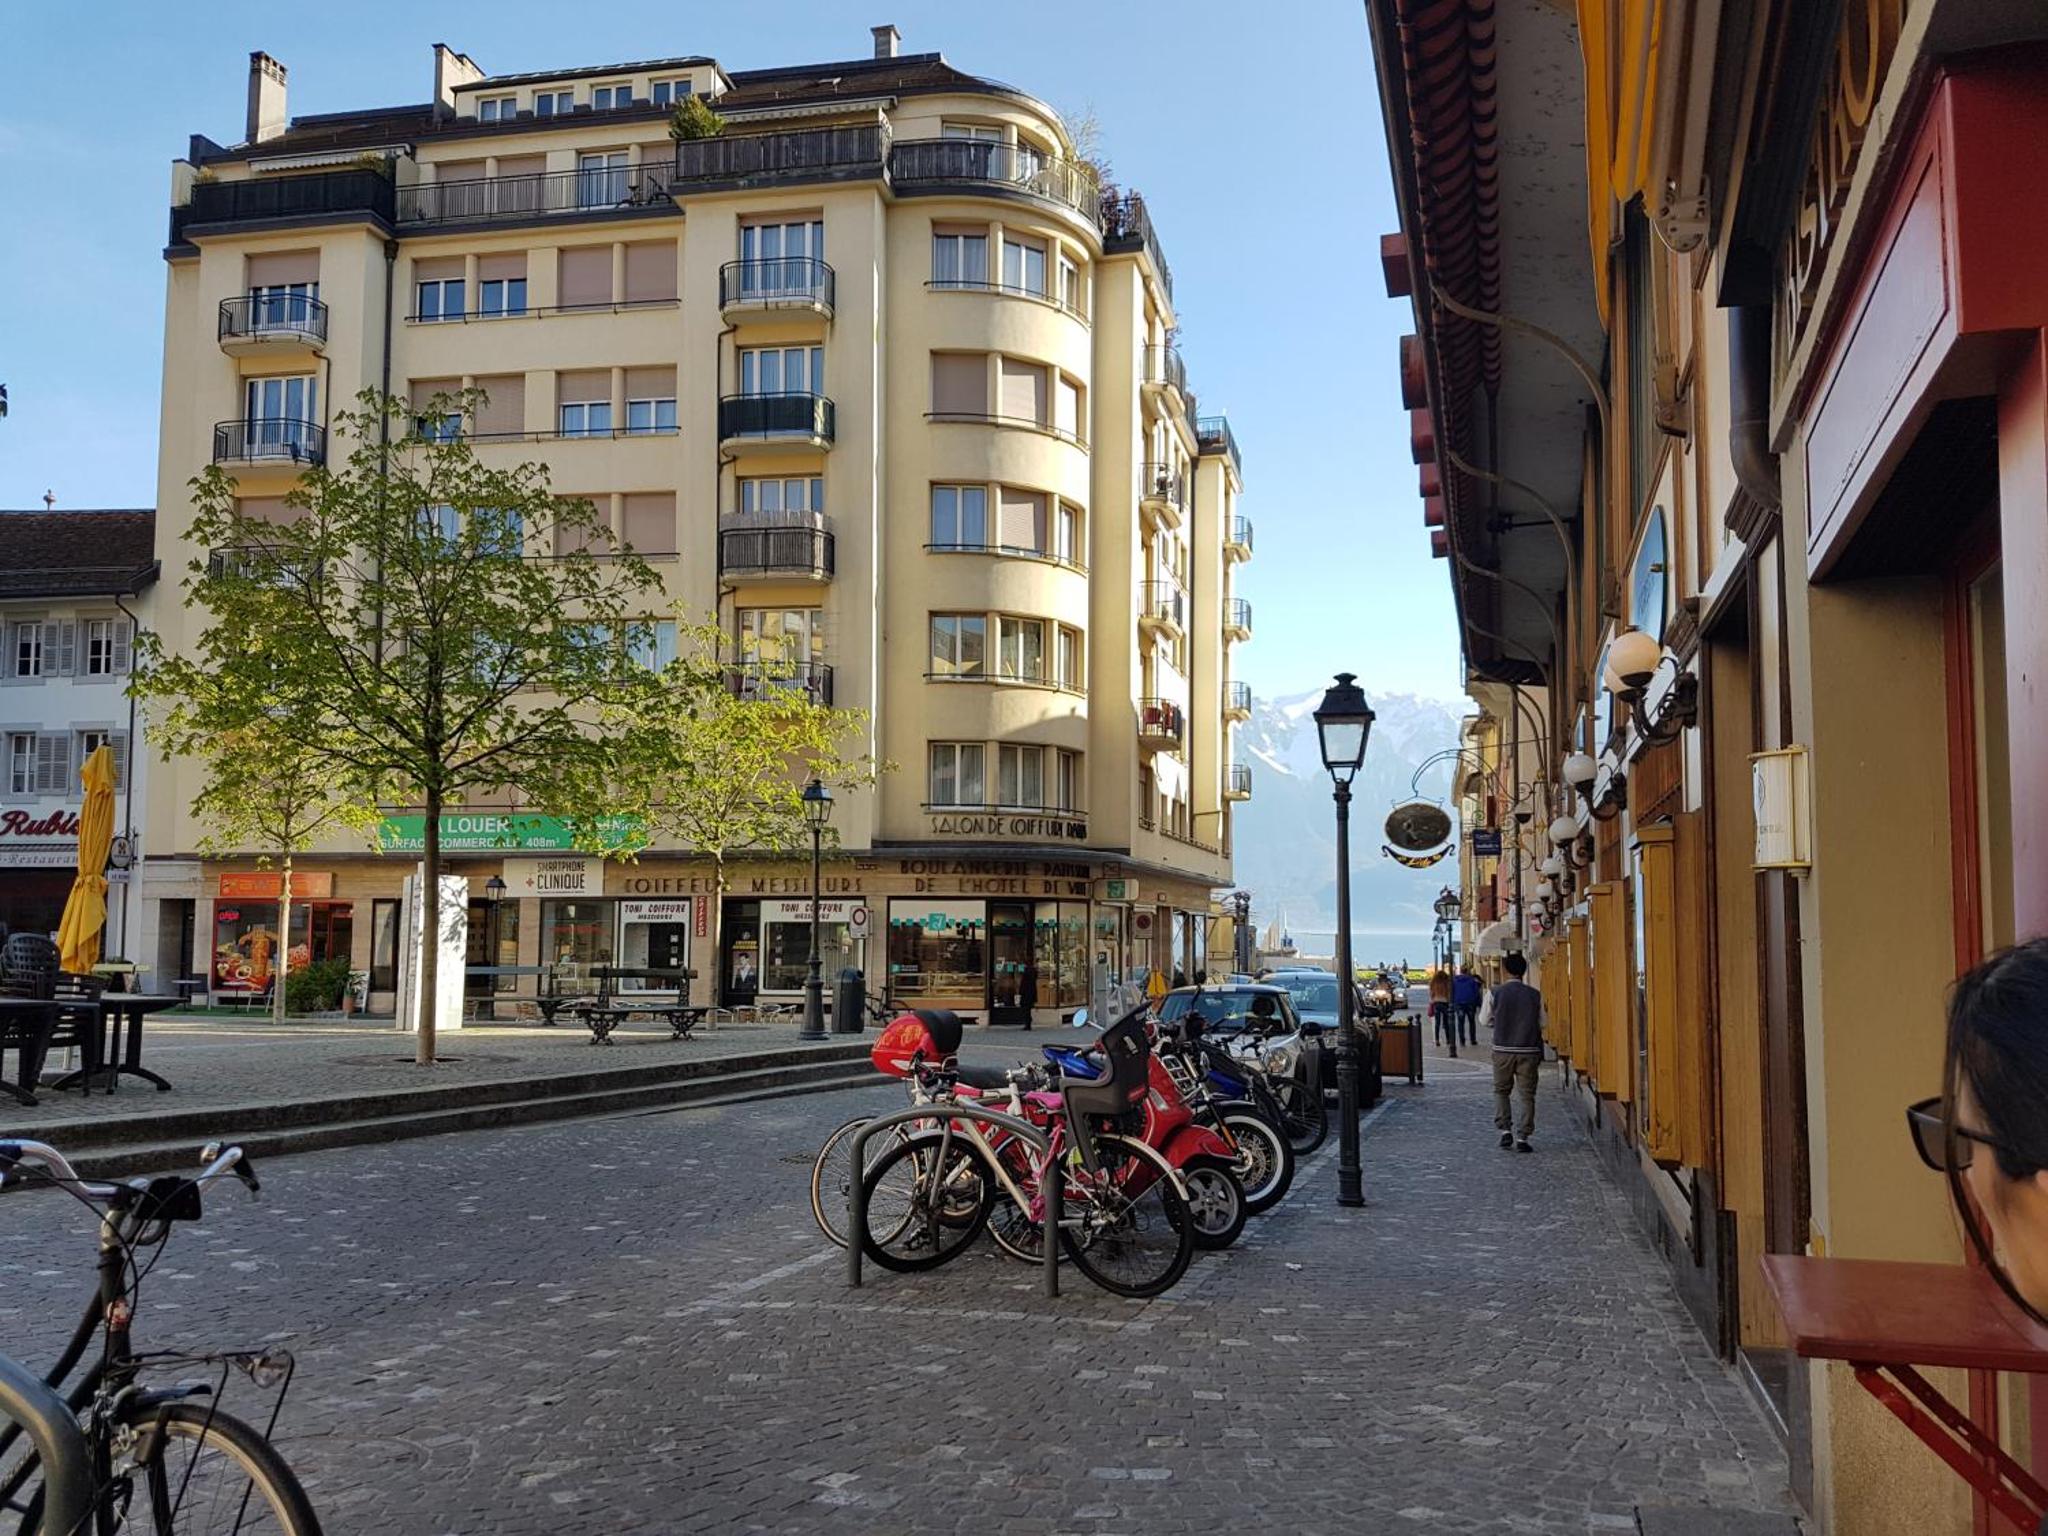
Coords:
1286,833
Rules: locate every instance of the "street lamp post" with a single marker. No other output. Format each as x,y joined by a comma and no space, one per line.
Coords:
817,811
1343,722
1240,932
494,895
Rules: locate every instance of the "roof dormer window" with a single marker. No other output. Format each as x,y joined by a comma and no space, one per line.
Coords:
669,93
606,98
553,103
497,109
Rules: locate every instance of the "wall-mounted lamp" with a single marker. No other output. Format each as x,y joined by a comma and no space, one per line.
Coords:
1637,666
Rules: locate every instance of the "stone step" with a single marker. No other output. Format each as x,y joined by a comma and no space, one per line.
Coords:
1695,1520
175,1150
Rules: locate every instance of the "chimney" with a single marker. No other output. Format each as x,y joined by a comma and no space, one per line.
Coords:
450,70
888,42
266,99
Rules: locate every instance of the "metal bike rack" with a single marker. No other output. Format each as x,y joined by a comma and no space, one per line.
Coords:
1053,1192
60,1445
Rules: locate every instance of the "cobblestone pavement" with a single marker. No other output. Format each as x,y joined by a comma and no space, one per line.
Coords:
633,1325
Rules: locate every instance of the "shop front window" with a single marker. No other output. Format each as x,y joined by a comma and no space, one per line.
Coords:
938,953
1063,954
575,935
384,946
245,940
786,943
654,935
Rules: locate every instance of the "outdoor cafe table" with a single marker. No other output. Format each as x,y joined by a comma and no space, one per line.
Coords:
1884,1320
121,1016
20,1011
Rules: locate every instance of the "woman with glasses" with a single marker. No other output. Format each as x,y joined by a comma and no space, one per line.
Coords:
1988,1132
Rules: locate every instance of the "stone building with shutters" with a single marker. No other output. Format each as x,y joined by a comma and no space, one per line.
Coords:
877,375
74,587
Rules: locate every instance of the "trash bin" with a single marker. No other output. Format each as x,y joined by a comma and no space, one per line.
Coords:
849,1003
1401,1048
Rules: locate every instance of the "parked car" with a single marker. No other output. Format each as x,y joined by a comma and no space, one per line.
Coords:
1314,995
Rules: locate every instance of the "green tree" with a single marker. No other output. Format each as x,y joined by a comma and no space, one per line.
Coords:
694,119
431,629
715,756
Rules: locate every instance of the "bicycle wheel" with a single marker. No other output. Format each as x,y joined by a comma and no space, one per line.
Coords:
924,1206
1303,1116
832,1176
1127,1227
208,1474
1018,1231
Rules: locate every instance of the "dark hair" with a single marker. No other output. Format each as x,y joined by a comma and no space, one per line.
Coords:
1514,963
1998,1046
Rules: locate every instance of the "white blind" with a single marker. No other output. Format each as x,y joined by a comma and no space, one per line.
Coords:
959,383
1023,396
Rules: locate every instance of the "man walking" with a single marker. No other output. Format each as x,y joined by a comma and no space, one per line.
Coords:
1465,994
1440,1008
1516,1011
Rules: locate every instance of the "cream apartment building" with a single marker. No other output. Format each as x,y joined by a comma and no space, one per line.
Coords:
878,376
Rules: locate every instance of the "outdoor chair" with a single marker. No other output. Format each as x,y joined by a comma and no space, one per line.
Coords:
30,967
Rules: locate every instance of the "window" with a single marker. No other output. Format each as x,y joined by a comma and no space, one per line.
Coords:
606,98
439,426
116,742
781,635
21,763
1066,534
586,418
498,297
960,516
1024,392
442,522
1067,659
109,647
39,763
959,258
601,179
782,370
650,400
26,657
1070,287
959,384
959,645
441,299
1024,266
671,93
769,499
282,306
501,408
1069,409
575,933
383,945
1066,785
1020,776
553,103
777,257
958,773
1021,649
976,132
651,272
1021,521
497,109
648,521
585,280
652,643
281,416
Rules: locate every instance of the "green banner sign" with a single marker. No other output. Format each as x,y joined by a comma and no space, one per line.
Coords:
498,832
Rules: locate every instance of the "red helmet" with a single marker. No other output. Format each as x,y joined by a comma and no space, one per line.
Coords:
932,1034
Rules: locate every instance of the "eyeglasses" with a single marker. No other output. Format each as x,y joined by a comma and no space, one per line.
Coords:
1942,1147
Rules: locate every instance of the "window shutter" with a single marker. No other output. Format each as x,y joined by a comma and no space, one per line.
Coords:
501,266
583,386
650,522
124,645
11,631
1022,524
117,743
651,383
437,269
586,276
1023,397
424,390
67,649
274,269
262,509
959,384
503,413
53,764
651,271
459,170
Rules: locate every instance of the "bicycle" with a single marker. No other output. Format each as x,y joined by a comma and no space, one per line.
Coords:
162,1461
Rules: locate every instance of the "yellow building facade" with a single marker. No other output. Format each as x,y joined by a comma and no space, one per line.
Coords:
879,377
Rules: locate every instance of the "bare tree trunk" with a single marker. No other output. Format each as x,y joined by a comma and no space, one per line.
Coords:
430,923
284,940
717,928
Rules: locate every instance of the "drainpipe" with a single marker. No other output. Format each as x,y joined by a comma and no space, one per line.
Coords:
1749,413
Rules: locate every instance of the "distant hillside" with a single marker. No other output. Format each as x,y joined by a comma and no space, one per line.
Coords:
1286,834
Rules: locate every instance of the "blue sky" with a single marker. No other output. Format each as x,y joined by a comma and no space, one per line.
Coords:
1253,132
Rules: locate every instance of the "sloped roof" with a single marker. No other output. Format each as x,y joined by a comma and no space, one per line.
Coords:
77,554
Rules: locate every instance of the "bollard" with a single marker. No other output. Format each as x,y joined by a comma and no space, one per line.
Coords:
1052,1199
857,1205
59,1444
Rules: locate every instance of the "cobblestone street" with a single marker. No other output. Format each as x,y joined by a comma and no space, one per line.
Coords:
633,1324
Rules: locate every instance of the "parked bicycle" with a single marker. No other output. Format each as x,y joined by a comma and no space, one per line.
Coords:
165,1459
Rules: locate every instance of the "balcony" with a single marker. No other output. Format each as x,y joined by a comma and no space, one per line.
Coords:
1163,493
1165,604
1166,374
744,160
1161,724
792,420
755,549
1213,435
269,440
943,165
1237,781
329,197
541,195
1126,226
754,679
274,324
776,284
1237,619
1237,701
1237,538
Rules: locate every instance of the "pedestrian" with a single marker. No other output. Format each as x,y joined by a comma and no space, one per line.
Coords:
1515,1011
1466,991
1440,1008
1989,1129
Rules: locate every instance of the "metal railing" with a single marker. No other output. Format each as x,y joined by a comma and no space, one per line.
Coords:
267,438
1237,780
1239,534
1163,365
771,281
1077,307
1014,551
539,194
1161,718
282,199
1213,435
1165,602
1237,614
1126,226
273,314
750,547
979,162
1237,698
793,414
795,155
1164,482
752,679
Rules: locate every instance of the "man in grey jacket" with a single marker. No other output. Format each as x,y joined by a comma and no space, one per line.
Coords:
1515,1010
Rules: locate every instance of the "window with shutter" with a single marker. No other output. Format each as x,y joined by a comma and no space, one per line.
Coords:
21,763
1022,524
651,272
67,648
650,522
281,269
584,402
1023,391
650,400
585,277
53,765
502,412
124,646
959,384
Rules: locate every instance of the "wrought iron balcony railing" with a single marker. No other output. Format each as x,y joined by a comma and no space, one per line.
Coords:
1237,698
270,438
541,194
1237,616
256,316
1237,781
752,679
796,414
1213,435
1165,603
1167,483
1126,226
769,159
777,282
1009,167
322,195
1161,719
1163,365
1238,533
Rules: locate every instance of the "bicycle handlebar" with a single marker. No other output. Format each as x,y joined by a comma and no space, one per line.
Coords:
220,1160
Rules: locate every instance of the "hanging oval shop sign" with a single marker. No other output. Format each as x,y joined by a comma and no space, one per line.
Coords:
1650,583
1418,826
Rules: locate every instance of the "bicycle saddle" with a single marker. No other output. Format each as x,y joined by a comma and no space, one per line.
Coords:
980,1077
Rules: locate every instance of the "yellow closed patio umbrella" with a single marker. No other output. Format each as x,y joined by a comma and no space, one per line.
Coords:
85,912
